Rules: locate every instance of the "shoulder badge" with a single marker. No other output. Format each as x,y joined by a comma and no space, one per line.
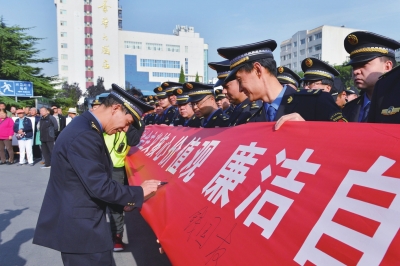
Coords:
214,118
338,117
309,62
290,99
390,111
352,39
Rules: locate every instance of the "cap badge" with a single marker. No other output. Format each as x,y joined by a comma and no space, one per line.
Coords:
151,97
352,39
309,62
159,89
179,91
280,70
189,86
165,84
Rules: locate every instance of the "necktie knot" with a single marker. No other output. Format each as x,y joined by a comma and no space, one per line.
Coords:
270,112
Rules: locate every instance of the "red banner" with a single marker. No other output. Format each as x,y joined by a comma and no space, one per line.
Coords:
312,193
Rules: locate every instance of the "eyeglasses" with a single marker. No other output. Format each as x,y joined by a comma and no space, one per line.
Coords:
199,103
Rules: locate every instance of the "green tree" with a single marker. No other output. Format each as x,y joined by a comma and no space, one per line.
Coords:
182,76
345,74
95,90
69,95
197,77
18,57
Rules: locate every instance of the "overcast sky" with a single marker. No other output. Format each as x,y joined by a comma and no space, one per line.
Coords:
219,22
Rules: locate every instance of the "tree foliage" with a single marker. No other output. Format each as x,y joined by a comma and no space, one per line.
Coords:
197,77
345,74
69,95
95,90
182,76
18,57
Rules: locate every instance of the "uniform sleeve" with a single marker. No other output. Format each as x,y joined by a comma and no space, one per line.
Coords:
86,154
327,109
133,135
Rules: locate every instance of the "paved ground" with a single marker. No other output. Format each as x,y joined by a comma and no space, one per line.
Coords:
21,193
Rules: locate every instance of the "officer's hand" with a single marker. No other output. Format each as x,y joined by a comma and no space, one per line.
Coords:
289,117
149,188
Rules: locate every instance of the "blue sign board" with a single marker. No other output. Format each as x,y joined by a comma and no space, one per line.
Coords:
16,88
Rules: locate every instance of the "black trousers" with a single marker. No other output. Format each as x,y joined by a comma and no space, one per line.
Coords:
117,212
47,150
88,259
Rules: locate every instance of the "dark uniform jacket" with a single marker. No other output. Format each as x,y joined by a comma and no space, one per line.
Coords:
385,104
351,110
218,119
243,111
167,117
229,111
73,214
194,121
312,105
179,120
150,119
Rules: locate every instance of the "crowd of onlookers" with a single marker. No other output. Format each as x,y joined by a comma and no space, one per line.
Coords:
28,135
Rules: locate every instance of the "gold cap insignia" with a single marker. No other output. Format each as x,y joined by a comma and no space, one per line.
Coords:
159,89
290,99
179,91
352,39
165,84
309,62
280,70
151,97
189,86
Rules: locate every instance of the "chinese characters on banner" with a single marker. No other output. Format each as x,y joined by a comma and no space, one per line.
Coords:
105,49
273,198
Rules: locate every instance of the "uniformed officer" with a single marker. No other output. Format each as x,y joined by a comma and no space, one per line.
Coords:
385,104
150,116
243,107
286,76
352,93
223,102
371,55
169,88
72,218
186,116
338,92
202,98
254,67
318,74
169,111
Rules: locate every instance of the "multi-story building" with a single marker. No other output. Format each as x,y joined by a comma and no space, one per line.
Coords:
324,43
92,44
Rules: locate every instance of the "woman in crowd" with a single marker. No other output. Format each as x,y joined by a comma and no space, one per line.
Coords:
24,133
6,134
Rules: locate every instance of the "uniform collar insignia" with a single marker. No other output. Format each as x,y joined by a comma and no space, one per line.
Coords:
290,99
95,128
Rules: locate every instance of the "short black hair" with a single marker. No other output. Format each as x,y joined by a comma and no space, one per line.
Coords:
50,111
268,63
2,103
327,82
109,101
388,58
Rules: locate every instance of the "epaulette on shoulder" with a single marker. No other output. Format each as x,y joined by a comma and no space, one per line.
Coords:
224,116
254,105
308,92
244,106
390,72
95,128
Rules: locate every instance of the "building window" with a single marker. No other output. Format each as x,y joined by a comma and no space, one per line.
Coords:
186,66
294,65
89,68
63,34
159,63
283,48
165,75
173,48
88,57
288,65
309,49
289,56
88,35
289,46
88,46
64,45
294,44
318,36
64,67
317,47
302,52
302,41
63,11
133,45
316,56
88,24
63,1
63,23
154,46
294,54
309,38
64,56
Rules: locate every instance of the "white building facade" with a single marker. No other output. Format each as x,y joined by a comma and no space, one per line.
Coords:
397,54
92,44
324,43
